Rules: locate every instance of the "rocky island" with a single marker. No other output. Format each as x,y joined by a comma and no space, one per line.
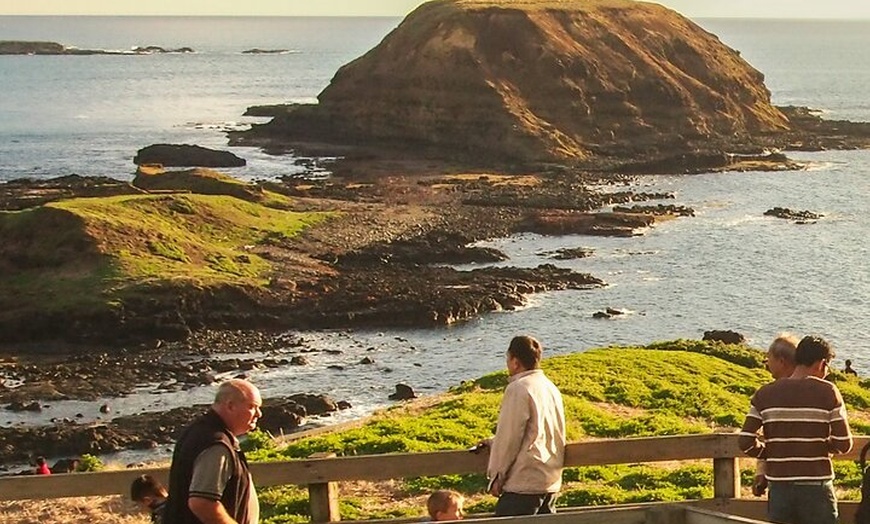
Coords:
592,84
23,47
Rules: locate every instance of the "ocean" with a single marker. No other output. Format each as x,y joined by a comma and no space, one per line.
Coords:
729,267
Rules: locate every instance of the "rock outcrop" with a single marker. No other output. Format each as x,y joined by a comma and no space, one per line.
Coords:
197,180
184,155
539,80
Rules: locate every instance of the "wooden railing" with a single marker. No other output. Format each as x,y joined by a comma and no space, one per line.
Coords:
322,473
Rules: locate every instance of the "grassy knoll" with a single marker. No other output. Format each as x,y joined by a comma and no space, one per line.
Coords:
87,255
663,389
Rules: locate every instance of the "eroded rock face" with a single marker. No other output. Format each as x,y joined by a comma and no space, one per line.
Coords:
540,81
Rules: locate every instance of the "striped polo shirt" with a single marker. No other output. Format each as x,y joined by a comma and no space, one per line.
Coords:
803,421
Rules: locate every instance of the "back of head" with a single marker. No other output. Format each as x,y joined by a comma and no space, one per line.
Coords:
40,461
811,349
784,346
146,486
441,500
527,350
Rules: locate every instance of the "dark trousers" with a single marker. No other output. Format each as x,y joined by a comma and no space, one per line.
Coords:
512,504
802,503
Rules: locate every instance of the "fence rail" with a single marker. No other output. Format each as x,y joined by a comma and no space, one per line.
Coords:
321,473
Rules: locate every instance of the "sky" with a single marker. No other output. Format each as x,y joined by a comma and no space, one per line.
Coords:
839,9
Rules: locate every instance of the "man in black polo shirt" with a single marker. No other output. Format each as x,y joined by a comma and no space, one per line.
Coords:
209,480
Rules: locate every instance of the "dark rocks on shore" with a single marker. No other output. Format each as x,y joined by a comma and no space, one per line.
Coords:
144,431
608,313
407,296
658,210
435,247
25,193
94,373
557,222
403,392
724,336
569,253
34,406
706,161
800,217
185,155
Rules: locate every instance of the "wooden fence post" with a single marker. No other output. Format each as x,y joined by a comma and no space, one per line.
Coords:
323,498
726,478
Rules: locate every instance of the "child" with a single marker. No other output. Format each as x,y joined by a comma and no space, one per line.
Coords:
445,504
42,466
150,495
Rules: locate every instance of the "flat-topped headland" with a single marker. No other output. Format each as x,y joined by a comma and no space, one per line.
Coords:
541,81
585,83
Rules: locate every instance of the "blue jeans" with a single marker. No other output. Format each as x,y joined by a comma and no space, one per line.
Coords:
802,503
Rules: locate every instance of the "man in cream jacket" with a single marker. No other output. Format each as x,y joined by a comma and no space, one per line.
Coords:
528,449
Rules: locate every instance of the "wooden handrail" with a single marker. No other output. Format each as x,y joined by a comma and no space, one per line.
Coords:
315,471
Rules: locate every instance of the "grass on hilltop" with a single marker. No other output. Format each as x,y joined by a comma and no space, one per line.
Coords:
87,252
670,388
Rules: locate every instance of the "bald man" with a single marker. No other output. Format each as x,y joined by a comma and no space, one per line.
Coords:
209,482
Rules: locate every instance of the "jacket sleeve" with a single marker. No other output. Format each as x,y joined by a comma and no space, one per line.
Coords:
841,436
509,433
748,440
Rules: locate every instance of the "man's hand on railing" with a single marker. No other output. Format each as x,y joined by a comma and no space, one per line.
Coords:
759,485
480,446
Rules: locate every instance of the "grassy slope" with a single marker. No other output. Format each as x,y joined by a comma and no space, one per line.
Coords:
664,389
95,248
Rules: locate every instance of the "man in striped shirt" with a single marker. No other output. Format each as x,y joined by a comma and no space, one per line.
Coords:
803,419
780,363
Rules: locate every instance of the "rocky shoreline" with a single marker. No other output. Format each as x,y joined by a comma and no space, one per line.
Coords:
146,431
384,261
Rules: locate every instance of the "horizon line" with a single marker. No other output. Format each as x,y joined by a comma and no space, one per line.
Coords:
799,18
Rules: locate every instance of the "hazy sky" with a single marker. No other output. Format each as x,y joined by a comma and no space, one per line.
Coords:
844,9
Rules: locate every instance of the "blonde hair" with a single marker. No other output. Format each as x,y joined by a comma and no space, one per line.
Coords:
784,346
440,501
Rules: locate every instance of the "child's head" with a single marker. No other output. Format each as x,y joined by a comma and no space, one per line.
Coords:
146,490
445,504
40,461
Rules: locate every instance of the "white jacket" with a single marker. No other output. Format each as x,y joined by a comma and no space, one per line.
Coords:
528,450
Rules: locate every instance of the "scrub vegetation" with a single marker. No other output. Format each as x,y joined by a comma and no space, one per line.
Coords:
667,388
92,253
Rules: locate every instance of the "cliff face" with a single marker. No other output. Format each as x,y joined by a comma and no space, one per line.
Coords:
541,81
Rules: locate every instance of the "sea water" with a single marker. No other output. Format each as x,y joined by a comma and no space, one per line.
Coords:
729,267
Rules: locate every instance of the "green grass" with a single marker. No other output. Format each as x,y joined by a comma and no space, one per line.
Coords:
86,253
667,388
198,237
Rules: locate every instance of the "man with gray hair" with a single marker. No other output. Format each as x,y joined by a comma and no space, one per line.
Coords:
209,481
780,362
804,421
